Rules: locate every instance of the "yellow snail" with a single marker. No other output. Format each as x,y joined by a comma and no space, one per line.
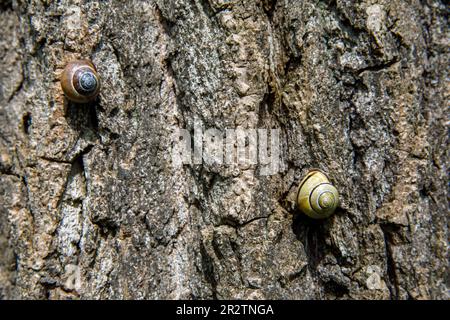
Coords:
317,197
80,81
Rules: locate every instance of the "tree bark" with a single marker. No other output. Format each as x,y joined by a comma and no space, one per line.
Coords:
91,206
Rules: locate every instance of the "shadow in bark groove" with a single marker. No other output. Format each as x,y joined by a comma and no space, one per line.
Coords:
27,121
6,5
335,289
208,270
312,235
393,282
82,116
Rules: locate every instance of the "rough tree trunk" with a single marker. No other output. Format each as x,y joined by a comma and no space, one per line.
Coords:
91,207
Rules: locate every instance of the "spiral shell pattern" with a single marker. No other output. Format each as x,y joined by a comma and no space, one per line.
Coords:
80,81
317,197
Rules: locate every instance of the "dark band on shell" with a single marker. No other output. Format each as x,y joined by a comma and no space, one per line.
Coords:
80,81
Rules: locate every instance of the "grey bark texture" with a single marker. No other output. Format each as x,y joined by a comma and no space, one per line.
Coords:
91,207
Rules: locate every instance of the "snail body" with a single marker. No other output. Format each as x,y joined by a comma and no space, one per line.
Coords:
317,197
80,81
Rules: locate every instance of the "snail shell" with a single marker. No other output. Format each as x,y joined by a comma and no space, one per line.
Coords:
317,197
80,81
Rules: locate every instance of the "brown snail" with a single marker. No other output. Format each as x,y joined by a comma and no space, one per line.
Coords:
317,197
80,81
